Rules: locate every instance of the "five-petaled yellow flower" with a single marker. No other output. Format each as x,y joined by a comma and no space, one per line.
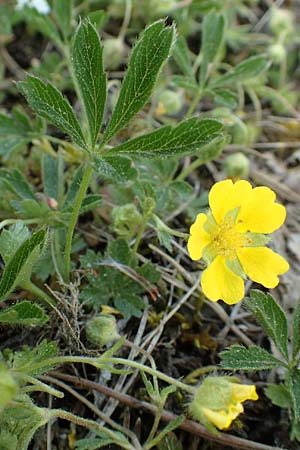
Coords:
231,238
218,401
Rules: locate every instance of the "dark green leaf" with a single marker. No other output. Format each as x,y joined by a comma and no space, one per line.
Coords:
91,78
271,317
63,12
212,40
186,138
279,395
98,18
24,313
13,270
117,168
147,58
238,357
90,202
296,331
49,103
294,390
243,72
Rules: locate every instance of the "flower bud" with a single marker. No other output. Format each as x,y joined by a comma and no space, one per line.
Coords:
277,53
113,52
169,102
126,220
218,401
102,329
281,21
237,166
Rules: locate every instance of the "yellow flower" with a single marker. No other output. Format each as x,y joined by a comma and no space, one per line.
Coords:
231,238
218,401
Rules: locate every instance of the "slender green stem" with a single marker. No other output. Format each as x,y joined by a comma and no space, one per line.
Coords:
34,289
194,103
74,217
61,414
140,233
147,444
38,385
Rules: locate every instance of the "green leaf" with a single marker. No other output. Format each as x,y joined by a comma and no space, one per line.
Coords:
243,72
117,168
42,23
91,78
238,357
293,383
63,12
271,317
49,103
172,425
185,83
279,395
181,54
12,239
212,40
224,97
296,331
9,144
186,138
17,183
17,264
90,202
73,187
50,175
147,58
35,361
24,313
170,442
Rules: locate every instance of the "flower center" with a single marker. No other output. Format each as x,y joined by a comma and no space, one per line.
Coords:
226,239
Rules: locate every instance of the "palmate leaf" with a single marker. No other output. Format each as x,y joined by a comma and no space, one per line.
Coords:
271,317
147,58
49,103
91,78
186,138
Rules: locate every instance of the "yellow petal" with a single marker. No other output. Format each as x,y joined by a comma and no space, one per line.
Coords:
220,419
198,239
225,196
220,283
262,265
259,213
243,392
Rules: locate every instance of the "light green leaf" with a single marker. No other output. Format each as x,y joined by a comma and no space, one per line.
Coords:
172,425
224,97
279,395
296,331
238,357
63,12
243,72
17,183
212,40
182,56
91,78
147,58
49,103
271,317
117,168
13,270
170,442
50,176
186,138
90,202
293,382
24,313
185,83
12,239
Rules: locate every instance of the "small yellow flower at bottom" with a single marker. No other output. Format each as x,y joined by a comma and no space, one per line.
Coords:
231,239
218,401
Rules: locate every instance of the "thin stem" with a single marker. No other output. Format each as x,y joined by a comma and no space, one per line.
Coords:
61,414
37,385
126,20
194,103
157,417
34,289
140,233
74,217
